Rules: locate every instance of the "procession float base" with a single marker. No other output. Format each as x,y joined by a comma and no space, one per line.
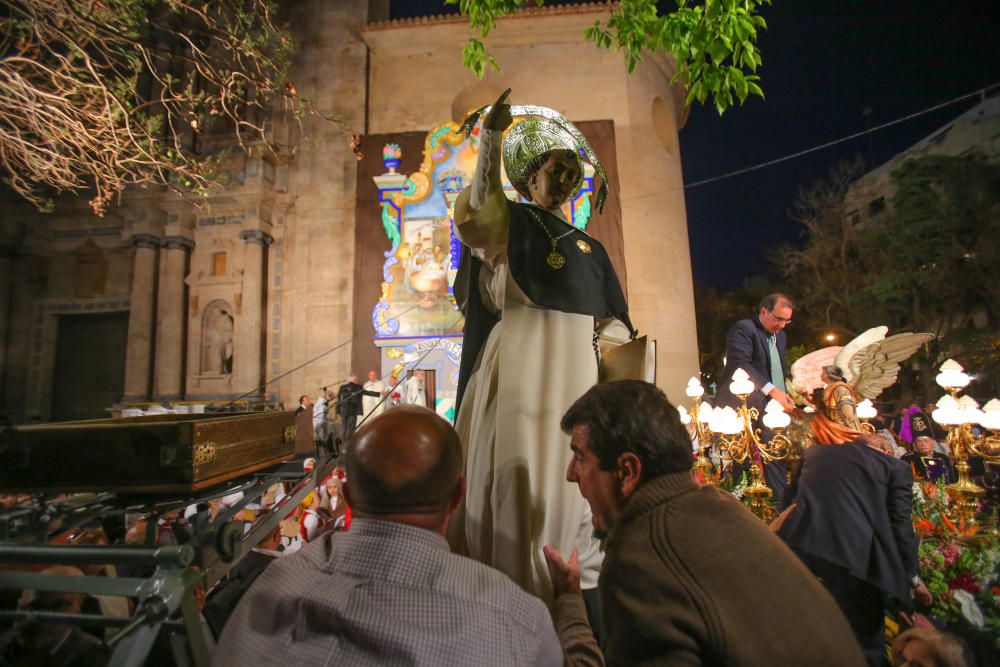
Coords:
150,454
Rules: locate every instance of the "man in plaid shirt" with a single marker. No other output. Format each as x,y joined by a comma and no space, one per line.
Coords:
389,592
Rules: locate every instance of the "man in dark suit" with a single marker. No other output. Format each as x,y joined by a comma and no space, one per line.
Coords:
350,405
851,525
757,345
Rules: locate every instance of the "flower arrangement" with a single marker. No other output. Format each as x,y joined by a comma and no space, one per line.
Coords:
735,487
959,564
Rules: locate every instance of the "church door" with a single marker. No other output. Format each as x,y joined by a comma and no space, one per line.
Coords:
89,374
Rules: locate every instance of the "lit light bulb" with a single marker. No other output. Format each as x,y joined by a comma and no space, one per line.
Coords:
952,376
741,384
694,388
969,410
866,410
947,412
685,417
775,416
729,422
991,415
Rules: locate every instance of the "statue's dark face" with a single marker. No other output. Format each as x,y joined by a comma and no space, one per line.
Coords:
555,180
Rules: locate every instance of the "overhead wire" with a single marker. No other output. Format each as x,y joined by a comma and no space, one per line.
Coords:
791,156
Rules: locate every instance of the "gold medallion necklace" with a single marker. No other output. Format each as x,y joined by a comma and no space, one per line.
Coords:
555,259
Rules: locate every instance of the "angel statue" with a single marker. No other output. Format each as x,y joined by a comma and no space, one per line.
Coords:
834,379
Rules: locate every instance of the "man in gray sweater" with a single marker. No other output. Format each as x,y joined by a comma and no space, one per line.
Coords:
690,576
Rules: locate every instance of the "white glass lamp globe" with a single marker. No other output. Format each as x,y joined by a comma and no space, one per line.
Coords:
991,415
694,388
741,384
866,410
952,376
685,417
775,416
946,412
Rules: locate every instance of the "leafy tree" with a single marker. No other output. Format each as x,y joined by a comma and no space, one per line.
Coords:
104,94
825,271
924,265
713,41
942,235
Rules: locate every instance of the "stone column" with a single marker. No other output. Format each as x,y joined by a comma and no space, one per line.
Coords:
139,347
170,320
248,351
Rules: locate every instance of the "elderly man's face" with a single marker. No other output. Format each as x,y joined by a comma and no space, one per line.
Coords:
372,375
925,445
777,318
599,487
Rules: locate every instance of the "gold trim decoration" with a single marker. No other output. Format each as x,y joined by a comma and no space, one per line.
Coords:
583,246
205,452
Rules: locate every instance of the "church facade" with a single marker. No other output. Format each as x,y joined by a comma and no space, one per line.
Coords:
301,270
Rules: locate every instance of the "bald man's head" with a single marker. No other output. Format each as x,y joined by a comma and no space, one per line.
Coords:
407,460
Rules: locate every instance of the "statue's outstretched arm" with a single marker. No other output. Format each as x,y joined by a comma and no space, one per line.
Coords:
481,214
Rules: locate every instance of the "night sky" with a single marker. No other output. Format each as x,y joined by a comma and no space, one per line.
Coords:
825,62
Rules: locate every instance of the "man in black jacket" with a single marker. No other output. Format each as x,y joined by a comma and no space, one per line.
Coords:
851,525
349,405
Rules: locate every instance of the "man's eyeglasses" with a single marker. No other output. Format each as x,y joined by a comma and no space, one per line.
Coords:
779,320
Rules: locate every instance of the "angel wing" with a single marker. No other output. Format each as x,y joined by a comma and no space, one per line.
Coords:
806,370
843,360
876,366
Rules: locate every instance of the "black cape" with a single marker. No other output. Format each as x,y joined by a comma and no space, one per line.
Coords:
586,285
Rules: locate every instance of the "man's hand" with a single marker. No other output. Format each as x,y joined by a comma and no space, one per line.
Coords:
499,118
917,620
921,594
780,521
781,397
565,575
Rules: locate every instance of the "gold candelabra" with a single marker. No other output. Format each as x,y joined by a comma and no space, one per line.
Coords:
959,415
697,424
733,432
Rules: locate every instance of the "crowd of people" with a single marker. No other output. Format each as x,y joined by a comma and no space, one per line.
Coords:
361,574
335,415
689,576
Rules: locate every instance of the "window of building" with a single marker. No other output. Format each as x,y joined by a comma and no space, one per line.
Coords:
218,263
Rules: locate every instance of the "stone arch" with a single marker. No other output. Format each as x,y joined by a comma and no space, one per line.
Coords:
217,333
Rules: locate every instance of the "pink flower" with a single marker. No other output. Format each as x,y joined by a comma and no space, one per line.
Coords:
950,553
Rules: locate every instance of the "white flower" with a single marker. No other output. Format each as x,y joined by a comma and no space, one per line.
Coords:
918,493
969,607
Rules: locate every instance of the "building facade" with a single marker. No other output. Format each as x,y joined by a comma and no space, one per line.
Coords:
267,292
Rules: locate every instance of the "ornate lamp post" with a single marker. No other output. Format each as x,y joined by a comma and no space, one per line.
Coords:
958,415
741,442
